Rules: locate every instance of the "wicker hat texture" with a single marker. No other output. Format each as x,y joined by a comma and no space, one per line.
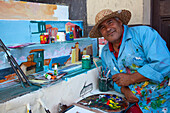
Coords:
123,15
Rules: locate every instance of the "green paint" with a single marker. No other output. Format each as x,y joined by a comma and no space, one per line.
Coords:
153,105
158,103
143,93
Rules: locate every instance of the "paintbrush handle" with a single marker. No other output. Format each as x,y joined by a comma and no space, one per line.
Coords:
29,108
43,105
108,73
47,110
96,65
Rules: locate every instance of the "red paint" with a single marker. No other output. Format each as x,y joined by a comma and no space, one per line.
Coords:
148,100
150,91
138,90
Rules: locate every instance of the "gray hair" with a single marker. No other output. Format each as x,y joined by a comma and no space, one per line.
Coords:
117,18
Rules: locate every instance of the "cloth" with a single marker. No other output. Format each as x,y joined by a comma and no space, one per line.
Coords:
134,109
143,50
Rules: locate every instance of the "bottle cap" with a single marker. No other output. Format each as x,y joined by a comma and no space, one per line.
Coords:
55,67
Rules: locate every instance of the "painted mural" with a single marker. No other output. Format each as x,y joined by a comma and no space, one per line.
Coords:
31,33
27,10
35,60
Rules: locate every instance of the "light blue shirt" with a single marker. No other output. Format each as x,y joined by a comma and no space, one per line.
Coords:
143,50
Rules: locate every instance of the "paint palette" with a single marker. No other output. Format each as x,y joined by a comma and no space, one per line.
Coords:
105,102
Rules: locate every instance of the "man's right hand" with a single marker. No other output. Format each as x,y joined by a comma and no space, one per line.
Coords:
129,95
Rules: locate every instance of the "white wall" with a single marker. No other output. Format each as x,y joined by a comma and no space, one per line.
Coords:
62,12
140,9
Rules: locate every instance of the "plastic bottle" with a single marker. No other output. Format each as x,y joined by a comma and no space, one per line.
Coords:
55,70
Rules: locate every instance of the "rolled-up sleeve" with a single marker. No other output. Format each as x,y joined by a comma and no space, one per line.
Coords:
157,55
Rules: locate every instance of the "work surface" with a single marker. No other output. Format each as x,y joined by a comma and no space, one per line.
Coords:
67,92
13,89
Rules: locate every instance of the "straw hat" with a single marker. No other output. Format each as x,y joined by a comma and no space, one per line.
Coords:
123,15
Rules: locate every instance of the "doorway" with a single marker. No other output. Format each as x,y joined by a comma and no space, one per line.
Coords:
160,18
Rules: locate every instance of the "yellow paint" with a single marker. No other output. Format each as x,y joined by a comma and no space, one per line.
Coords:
146,108
113,102
133,92
163,101
145,84
134,66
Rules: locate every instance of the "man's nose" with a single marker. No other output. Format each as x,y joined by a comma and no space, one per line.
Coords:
108,27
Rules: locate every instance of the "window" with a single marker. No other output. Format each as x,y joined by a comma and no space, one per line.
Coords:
37,27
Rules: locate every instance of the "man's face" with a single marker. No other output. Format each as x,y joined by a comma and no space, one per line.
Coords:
111,29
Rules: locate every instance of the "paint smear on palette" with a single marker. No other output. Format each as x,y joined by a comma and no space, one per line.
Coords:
105,102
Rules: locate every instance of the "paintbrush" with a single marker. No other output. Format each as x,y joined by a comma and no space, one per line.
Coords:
97,67
103,75
108,73
106,70
43,105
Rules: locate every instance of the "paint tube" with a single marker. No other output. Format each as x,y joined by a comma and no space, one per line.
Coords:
55,70
49,76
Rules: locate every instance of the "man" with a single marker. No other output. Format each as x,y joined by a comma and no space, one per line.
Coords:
138,59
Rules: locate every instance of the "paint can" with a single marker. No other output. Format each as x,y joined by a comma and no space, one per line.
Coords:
69,36
44,38
61,36
86,62
105,84
52,39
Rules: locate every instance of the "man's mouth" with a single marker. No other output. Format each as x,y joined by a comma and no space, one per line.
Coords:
111,33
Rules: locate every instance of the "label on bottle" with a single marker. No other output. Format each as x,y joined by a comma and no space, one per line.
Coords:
55,72
47,76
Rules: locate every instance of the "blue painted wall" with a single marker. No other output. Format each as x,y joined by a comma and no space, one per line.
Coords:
14,31
19,31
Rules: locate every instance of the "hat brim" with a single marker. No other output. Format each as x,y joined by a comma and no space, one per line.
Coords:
124,16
